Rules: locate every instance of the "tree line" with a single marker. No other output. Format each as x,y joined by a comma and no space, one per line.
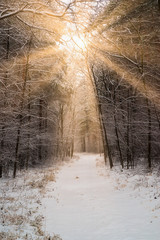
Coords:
46,113
33,86
126,75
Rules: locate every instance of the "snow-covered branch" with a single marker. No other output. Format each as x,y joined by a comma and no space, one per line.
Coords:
12,12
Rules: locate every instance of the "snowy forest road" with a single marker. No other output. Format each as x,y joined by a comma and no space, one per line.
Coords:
83,204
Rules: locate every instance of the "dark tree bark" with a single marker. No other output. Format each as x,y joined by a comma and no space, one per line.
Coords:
128,130
40,129
18,138
107,150
5,103
149,135
116,130
29,122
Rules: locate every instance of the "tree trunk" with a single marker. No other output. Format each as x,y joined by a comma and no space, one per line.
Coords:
28,135
116,130
62,130
40,129
72,147
25,77
149,135
106,147
5,98
128,131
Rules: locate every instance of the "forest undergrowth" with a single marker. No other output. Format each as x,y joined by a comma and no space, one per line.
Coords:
20,205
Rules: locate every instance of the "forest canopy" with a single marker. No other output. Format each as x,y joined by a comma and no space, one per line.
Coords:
79,74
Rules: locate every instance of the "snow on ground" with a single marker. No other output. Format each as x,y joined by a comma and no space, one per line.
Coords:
80,200
89,202
139,184
20,201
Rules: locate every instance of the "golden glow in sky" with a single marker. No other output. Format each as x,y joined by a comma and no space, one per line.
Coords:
80,42
75,42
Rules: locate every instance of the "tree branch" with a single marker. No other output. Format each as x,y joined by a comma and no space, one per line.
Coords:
23,10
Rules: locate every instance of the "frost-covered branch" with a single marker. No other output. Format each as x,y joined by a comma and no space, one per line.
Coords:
12,12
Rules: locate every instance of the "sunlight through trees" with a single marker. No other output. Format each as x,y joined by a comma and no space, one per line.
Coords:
79,76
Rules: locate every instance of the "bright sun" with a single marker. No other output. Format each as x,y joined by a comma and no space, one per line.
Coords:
75,42
80,42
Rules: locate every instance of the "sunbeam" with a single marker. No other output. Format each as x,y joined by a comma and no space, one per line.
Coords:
138,83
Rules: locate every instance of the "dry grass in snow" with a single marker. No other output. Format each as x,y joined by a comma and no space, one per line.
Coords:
20,205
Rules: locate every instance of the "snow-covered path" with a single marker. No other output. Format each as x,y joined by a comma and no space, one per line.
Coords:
83,205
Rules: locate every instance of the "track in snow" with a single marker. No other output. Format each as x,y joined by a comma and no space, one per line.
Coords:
85,206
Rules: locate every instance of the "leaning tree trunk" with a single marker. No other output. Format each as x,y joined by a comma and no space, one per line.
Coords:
149,134
106,147
149,128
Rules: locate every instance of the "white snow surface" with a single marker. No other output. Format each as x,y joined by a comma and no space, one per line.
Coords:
81,199
90,202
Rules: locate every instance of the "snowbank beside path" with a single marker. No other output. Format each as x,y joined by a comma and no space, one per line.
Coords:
20,204
89,202
143,186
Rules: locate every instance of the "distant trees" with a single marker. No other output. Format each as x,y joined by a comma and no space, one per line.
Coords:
84,116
